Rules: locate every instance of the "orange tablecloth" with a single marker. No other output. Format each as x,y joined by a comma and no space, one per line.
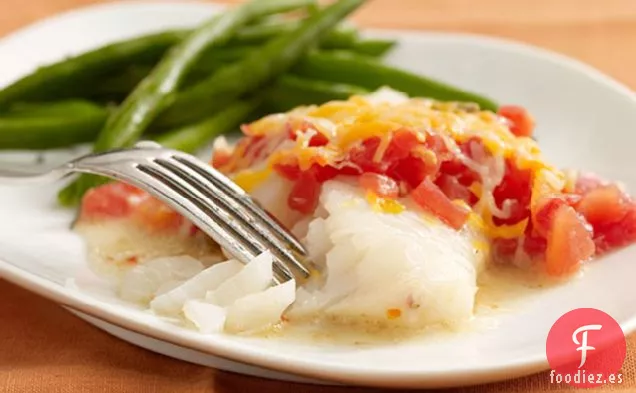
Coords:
45,349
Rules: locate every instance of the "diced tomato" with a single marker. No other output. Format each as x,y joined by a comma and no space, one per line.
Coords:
515,186
544,209
572,199
410,170
291,131
320,173
435,142
154,215
348,170
288,171
323,173
616,234
504,249
304,194
534,245
221,157
461,172
111,200
586,183
452,167
518,212
363,154
318,139
128,189
468,177
521,122
569,242
381,185
605,204
399,160
544,216
251,149
401,146
433,200
453,189
255,146
413,170
475,149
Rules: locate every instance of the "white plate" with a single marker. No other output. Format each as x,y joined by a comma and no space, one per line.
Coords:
585,120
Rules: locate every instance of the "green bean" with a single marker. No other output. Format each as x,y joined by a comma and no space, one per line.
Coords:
67,108
193,137
35,127
258,34
101,73
344,67
286,93
291,91
80,121
369,47
342,38
111,72
257,68
74,75
77,76
156,91
115,87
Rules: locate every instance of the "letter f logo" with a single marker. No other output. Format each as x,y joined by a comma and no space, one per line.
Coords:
583,343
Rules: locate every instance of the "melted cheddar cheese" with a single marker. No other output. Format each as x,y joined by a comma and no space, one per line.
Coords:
345,124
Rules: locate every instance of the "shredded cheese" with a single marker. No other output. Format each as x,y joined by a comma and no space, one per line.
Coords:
384,205
347,123
249,179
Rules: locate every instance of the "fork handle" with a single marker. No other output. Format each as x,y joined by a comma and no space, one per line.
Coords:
22,177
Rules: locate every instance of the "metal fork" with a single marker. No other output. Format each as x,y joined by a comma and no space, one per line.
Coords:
197,191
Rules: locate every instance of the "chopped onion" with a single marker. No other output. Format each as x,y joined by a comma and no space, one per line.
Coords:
256,276
171,302
141,283
207,317
260,310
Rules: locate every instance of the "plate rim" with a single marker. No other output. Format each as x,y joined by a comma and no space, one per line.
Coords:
528,365
409,379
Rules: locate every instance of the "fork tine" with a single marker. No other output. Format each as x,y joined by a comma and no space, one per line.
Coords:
237,193
186,185
219,211
252,224
244,249
147,180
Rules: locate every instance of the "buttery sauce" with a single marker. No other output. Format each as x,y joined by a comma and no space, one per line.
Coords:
115,246
501,290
